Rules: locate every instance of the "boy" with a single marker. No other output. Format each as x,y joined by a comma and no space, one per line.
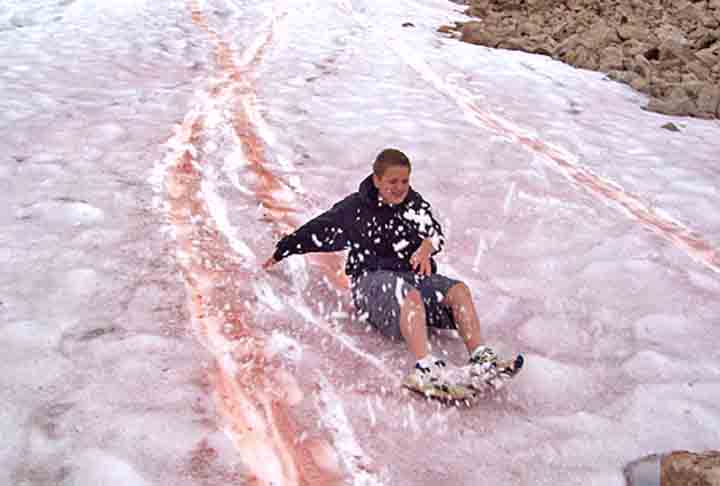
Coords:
392,237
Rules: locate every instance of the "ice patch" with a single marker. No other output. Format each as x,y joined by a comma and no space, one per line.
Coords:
29,335
218,211
707,282
81,282
551,382
334,417
63,210
267,295
509,197
94,466
651,366
482,248
107,134
664,328
669,417
279,343
554,336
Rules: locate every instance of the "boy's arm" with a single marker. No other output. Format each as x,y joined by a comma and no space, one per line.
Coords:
433,234
327,232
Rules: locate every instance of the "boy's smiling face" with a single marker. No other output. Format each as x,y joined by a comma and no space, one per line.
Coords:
393,185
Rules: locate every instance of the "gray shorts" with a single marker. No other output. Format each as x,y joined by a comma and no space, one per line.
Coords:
377,296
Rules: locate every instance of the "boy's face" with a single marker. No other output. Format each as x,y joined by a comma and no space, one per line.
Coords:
393,185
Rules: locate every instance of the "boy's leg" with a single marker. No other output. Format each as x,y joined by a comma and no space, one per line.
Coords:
463,309
413,324
485,368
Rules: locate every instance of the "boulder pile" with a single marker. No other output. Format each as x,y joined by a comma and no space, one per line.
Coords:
682,468
668,49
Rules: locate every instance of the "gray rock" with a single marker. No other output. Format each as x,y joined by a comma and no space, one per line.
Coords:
645,471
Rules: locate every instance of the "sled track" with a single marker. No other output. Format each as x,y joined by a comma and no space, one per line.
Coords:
254,396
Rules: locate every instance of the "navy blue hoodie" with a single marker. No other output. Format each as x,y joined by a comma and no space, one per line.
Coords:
379,236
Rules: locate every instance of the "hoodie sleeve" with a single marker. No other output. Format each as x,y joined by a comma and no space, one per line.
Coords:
435,233
325,233
429,227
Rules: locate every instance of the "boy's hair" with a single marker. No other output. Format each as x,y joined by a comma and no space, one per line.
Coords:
390,158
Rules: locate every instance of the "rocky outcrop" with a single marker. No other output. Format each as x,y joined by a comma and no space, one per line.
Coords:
679,468
687,469
669,49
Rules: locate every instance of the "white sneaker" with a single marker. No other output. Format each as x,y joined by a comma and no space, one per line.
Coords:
486,370
423,377
434,381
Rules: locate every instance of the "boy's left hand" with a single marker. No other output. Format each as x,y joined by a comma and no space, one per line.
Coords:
420,260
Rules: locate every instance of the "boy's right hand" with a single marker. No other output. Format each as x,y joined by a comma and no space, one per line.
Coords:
269,263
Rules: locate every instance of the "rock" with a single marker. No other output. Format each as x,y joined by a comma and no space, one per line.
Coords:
706,39
671,127
644,471
611,58
684,468
446,29
640,84
674,49
711,22
515,44
701,71
708,99
655,46
689,13
624,76
529,28
636,32
640,65
710,56
633,47
674,107
474,32
566,46
600,36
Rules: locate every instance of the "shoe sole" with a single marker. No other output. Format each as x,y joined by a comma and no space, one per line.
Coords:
445,392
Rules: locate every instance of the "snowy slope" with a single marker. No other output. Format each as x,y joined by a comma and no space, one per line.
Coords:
155,151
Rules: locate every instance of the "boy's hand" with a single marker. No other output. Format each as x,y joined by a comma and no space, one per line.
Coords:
269,263
420,260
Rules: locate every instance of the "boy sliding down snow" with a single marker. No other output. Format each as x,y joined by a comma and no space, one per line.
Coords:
392,237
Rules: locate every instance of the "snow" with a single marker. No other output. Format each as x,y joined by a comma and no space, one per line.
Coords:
148,173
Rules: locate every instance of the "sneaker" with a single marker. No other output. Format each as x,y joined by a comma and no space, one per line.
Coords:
486,369
423,377
434,381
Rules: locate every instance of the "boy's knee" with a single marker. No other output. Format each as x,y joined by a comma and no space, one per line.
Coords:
459,291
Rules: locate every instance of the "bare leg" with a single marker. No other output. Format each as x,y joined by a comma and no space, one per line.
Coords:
413,324
460,300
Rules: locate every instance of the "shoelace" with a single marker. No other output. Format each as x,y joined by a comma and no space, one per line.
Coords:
426,369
